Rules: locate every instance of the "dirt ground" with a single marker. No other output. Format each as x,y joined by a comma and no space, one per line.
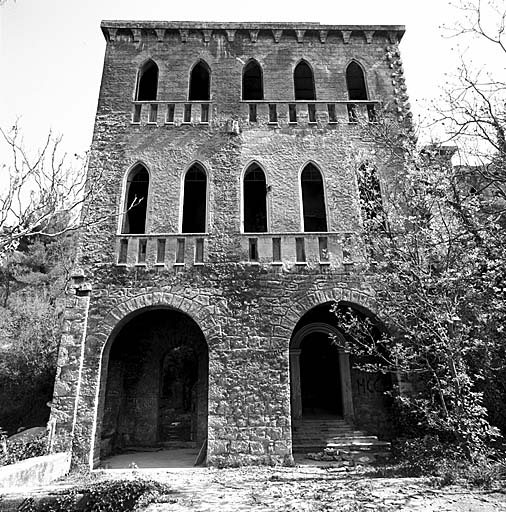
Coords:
303,488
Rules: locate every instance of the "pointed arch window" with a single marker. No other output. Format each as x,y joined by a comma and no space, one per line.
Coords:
194,200
252,82
355,81
199,82
137,187
313,199
303,81
255,200
147,82
370,195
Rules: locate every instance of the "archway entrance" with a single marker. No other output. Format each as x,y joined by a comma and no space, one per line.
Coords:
157,385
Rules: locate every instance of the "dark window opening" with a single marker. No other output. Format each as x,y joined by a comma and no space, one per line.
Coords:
137,113
160,250
355,82
300,250
204,113
332,113
311,112
194,202
313,199
170,113
323,248
304,82
141,255
199,82
136,200
252,82
352,113
252,113
273,114
255,200
147,83
371,113
292,113
153,113
370,195
276,249
187,117
253,249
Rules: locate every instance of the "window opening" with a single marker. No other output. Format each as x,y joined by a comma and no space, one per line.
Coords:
199,250
194,200
292,113
304,82
199,82
252,113
273,113
123,250
352,113
311,111
252,82
313,199
253,249
136,200
332,113
276,249
137,113
180,250
153,112
170,112
141,255
255,200
147,84
371,113
300,250
370,194
355,82
160,250
187,117
323,248
204,113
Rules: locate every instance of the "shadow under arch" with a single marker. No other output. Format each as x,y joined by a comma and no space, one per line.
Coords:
153,383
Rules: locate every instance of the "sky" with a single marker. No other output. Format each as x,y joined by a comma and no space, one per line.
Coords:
51,51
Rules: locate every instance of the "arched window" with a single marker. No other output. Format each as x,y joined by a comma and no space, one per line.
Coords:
199,82
252,82
355,82
255,200
313,199
303,81
370,194
194,200
134,220
147,82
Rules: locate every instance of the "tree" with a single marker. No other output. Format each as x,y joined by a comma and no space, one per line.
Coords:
437,261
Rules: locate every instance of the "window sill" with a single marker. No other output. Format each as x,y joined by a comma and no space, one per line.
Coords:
179,264
199,264
159,264
276,263
325,263
301,263
140,265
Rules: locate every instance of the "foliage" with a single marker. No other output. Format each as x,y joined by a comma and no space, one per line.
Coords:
106,496
20,450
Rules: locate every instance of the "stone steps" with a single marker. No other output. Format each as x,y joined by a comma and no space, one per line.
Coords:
336,440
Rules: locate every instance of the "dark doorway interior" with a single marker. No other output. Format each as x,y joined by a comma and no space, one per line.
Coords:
313,200
157,383
320,376
199,82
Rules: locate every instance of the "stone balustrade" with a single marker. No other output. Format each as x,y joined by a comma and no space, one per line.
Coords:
284,250
275,113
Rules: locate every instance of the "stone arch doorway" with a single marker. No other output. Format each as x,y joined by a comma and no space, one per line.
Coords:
319,373
156,390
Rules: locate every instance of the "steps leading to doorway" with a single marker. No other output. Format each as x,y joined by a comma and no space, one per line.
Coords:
329,439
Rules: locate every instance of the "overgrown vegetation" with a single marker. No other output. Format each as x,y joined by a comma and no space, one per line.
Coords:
12,451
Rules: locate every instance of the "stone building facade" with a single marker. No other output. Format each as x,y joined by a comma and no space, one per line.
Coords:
227,226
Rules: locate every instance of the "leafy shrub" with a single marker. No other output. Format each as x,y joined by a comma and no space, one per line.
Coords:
21,450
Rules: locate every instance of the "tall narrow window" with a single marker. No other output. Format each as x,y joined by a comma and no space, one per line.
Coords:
304,82
134,220
255,200
252,82
355,82
147,82
199,82
370,194
313,199
194,200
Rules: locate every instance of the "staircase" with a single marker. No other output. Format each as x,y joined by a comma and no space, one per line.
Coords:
330,439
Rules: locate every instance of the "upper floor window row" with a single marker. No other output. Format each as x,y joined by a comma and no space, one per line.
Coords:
252,82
